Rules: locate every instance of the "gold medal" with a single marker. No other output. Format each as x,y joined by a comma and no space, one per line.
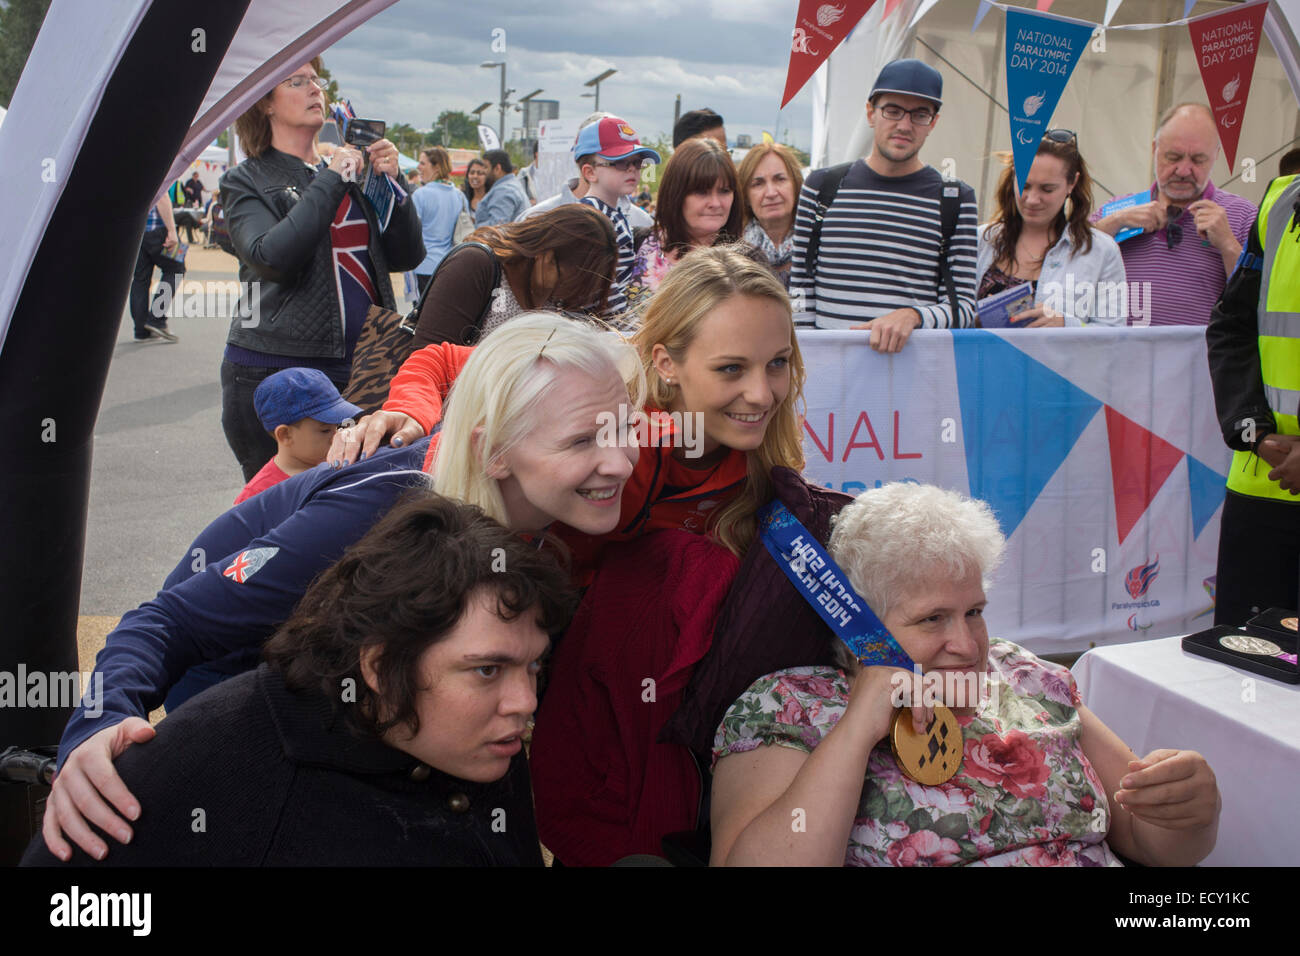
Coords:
932,757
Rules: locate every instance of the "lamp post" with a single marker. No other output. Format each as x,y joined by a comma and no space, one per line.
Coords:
501,125
596,81
522,106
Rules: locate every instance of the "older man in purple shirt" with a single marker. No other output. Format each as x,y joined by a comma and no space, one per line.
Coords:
1192,233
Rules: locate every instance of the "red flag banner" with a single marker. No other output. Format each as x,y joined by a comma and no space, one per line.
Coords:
1226,44
819,28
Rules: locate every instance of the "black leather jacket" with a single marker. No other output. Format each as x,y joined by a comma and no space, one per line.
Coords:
278,211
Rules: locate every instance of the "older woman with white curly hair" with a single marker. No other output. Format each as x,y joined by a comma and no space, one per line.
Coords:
1037,780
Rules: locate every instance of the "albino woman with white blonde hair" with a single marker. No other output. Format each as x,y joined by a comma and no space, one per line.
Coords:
1038,779
519,441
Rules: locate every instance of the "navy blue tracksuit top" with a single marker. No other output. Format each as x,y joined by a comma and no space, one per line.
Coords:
239,581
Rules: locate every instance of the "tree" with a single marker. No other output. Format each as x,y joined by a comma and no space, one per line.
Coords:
405,137
462,131
20,21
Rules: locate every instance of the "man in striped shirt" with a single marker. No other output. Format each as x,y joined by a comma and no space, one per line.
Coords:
610,156
878,266
1192,233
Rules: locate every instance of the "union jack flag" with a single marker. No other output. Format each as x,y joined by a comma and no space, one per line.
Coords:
350,238
247,563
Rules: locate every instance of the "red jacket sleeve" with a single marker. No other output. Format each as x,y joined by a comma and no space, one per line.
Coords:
421,385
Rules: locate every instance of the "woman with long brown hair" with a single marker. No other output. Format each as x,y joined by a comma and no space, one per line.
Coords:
697,207
563,259
1042,237
770,181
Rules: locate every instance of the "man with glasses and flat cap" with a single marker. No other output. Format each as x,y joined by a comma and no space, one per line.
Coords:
885,243
1191,232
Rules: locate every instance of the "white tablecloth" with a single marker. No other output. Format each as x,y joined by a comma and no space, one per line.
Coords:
1154,694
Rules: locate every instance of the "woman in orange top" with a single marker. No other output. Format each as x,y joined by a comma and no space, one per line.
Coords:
724,369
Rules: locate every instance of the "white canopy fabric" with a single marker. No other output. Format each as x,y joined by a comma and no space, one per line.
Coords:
1112,101
63,81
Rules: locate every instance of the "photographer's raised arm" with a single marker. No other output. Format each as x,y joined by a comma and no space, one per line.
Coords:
277,247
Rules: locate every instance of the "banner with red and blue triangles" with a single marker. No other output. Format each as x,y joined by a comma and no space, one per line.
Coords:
1097,449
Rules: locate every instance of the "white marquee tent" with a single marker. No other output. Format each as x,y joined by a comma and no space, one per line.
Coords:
1112,100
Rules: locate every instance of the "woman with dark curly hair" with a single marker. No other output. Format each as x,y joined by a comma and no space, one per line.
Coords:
385,726
564,259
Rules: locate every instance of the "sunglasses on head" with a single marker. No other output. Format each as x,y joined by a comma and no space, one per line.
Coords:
1066,136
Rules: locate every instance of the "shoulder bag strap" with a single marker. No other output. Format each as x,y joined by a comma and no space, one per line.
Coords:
825,196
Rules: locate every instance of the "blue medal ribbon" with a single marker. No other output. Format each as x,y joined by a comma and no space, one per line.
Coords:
826,587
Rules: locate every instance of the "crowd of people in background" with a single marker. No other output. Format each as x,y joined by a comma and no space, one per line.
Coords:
539,318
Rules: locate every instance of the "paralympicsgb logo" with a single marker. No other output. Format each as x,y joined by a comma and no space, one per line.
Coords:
1138,581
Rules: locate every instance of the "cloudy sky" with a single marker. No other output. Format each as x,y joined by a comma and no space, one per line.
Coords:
420,57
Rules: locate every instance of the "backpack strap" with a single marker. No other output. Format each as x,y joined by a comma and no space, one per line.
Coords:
825,196
413,317
949,210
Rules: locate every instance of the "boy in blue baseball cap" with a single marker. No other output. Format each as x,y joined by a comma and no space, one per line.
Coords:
301,409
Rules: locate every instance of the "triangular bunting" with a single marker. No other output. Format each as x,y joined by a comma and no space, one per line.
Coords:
1020,420
979,14
1112,8
819,27
1042,51
1187,7
1225,45
1044,5
1140,462
925,7
890,7
1207,492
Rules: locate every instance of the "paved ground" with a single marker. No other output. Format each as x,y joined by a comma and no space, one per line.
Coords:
161,469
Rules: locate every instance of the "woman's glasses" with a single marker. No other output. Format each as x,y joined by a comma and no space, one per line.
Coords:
300,81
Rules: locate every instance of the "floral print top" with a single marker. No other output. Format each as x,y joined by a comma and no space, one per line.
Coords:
1025,794
649,267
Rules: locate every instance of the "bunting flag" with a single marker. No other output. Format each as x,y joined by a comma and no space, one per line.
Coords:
1226,44
819,28
1112,7
922,10
890,7
1044,5
979,14
1187,7
768,138
1042,51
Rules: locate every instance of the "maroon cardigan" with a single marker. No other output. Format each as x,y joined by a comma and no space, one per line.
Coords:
764,626
603,786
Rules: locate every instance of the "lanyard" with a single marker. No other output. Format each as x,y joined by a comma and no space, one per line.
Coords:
823,585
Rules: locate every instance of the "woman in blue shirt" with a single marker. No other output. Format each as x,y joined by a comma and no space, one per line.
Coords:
440,204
